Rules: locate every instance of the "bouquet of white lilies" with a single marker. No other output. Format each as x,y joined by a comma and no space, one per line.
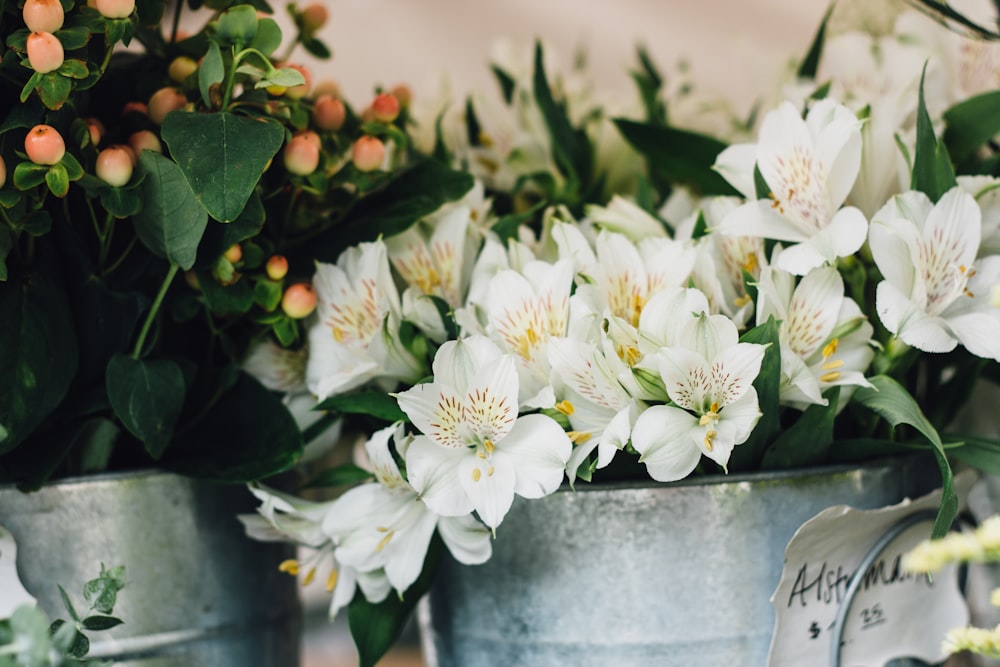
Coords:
827,293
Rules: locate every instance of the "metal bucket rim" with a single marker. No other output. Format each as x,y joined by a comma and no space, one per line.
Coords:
762,476
102,478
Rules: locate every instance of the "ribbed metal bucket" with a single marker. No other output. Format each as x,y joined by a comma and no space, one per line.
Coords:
198,592
672,575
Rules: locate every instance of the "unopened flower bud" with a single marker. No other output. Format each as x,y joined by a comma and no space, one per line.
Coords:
299,301
163,102
114,9
385,108
329,113
114,165
44,145
301,155
368,153
276,267
45,52
43,15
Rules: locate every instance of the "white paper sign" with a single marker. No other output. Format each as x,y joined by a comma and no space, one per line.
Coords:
894,614
12,593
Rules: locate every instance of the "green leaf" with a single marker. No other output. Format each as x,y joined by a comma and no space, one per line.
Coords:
222,156
74,170
376,626
506,83
34,464
316,48
53,89
284,76
933,173
238,25
68,603
268,37
219,237
806,442
74,69
267,294
28,175
100,622
234,298
807,70
121,202
31,630
970,124
892,402
748,455
247,435
39,350
412,194
976,451
570,149
58,180
366,402
102,592
73,38
147,396
339,476
210,72
678,156
507,226
171,222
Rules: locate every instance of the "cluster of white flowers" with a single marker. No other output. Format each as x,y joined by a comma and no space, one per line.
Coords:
619,332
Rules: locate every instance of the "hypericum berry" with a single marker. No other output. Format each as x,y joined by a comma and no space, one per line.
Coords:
3,179
144,140
234,253
44,145
43,15
135,107
368,153
329,113
114,165
45,52
301,154
181,68
96,130
114,9
191,278
385,108
301,90
327,87
299,300
314,17
276,267
402,93
163,102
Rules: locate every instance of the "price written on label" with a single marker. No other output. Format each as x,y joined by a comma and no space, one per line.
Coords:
894,613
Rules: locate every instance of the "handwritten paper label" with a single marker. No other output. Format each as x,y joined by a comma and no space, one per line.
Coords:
894,614
12,593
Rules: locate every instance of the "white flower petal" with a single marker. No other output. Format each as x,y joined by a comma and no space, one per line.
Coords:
489,485
406,550
433,472
466,539
663,436
912,325
736,164
538,450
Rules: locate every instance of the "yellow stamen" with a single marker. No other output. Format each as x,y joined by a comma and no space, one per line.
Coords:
968,293
331,581
578,437
481,454
709,436
290,566
831,348
705,420
310,575
476,474
338,334
832,376
384,541
741,301
488,446
565,407
750,265
833,365
382,529
631,355
489,473
485,139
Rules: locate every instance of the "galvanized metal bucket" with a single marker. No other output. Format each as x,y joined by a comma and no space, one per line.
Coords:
671,575
198,591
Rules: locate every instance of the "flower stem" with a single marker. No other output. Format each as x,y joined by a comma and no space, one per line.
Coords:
177,22
154,309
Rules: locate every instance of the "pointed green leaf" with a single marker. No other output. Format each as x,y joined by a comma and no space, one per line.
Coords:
933,173
210,72
171,222
810,64
976,451
807,441
339,476
28,175
506,83
238,25
374,403
970,124
58,180
286,77
222,156
100,622
570,150
268,37
891,401
147,396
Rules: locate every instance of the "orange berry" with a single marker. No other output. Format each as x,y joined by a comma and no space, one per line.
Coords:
164,101
402,93
43,15
114,165
301,154
44,145
114,9
181,68
299,301
368,153
329,113
3,172
385,108
45,52
314,17
234,253
144,140
96,130
276,267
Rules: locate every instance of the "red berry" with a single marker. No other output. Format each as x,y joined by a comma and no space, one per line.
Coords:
234,253
114,165
43,15
385,108
44,145
144,140
163,102
314,17
368,153
299,301
114,9
45,52
329,113
301,154
402,93
96,130
277,267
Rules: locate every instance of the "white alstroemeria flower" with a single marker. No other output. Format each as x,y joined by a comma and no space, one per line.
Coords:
599,408
285,518
986,190
277,368
825,339
358,315
435,260
625,217
475,452
810,167
523,311
708,377
936,294
384,525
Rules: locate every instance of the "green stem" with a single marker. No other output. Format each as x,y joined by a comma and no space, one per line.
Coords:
177,21
109,230
122,257
230,81
157,302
